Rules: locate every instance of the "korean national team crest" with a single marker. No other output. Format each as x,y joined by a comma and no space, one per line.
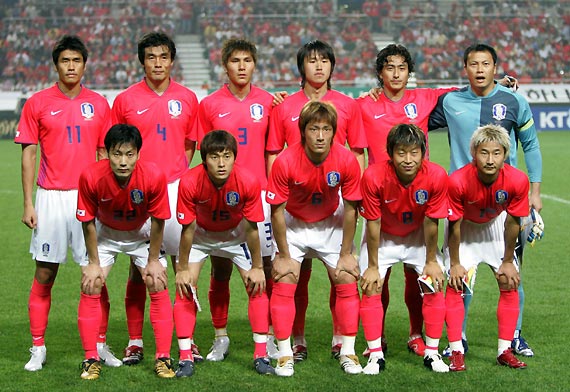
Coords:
174,108
421,196
501,196
87,110
232,198
137,196
499,111
411,111
256,111
333,179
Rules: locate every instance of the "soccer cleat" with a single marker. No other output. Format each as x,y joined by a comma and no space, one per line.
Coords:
521,347
272,350
457,363
447,350
37,359
196,354
366,352
263,366
284,367
435,363
350,364
299,353
106,356
163,368
133,355
417,346
185,368
91,368
220,349
507,358
335,351
374,366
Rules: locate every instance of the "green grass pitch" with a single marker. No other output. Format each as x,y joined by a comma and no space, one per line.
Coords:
546,315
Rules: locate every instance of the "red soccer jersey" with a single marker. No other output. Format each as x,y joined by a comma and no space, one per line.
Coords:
402,209
68,131
165,122
218,209
470,199
101,197
312,191
379,117
247,120
284,124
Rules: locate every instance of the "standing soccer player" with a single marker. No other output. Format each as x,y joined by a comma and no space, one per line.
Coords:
69,122
219,208
309,221
402,201
116,198
487,199
481,103
315,62
243,110
166,113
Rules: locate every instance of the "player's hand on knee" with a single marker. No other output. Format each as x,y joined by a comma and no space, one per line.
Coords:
348,264
255,281
283,266
92,279
371,282
435,272
508,276
183,282
155,276
456,275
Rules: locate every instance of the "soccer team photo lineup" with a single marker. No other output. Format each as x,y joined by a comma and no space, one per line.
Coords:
275,183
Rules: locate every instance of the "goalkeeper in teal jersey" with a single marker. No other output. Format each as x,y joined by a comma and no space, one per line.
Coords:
484,102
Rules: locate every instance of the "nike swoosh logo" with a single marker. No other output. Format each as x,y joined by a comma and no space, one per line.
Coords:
56,112
460,112
220,115
106,200
377,116
299,182
472,202
294,118
389,201
142,111
203,201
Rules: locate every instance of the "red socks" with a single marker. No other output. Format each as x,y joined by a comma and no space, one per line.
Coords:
135,299
434,314
282,306
347,308
105,307
301,302
454,313
372,316
413,299
39,304
219,297
508,313
88,321
161,321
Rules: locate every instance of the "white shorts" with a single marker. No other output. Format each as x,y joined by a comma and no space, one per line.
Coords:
321,240
172,229
134,243
410,250
265,231
230,244
481,243
57,227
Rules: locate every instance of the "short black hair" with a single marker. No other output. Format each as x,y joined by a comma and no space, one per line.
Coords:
320,48
479,48
217,141
120,134
155,38
406,135
238,45
392,50
69,42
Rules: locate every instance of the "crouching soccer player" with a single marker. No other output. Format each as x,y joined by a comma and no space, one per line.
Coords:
402,201
219,206
487,200
309,221
116,198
